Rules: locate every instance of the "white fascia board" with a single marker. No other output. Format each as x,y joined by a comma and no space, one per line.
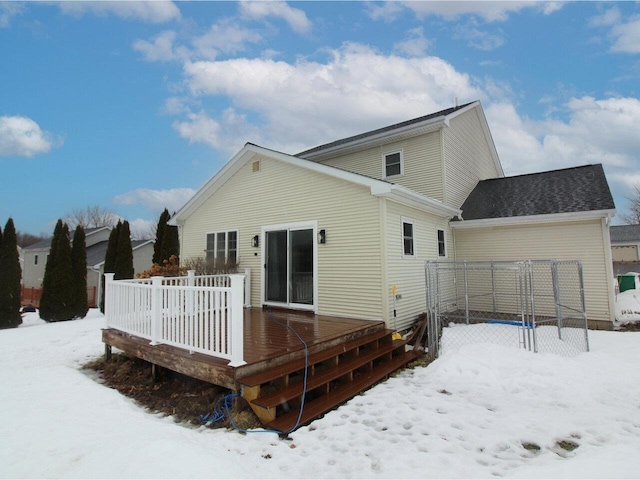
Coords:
404,196
534,219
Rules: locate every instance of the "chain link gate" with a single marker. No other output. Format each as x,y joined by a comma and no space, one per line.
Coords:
534,304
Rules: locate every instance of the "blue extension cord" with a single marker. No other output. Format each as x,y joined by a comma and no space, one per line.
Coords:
222,407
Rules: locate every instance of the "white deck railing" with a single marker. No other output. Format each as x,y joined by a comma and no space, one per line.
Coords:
201,314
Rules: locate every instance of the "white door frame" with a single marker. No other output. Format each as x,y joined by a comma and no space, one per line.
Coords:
310,225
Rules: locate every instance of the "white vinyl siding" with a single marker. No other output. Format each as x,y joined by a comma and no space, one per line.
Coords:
349,264
553,241
407,273
421,163
467,157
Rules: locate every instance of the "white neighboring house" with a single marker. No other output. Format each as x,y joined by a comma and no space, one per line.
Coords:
35,258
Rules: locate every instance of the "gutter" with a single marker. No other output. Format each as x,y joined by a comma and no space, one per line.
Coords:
535,219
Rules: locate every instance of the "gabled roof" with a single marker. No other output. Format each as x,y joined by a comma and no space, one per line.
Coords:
624,233
381,188
397,131
568,191
431,119
46,244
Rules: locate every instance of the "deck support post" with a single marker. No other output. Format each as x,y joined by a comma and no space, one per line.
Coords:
107,352
237,320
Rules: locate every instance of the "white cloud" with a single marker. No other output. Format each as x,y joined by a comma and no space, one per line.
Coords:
607,19
596,131
415,44
142,229
156,200
146,11
627,36
295,17
200,127
305,103
385,11
8,10
476,38
161,49
225,36
22,137
489,11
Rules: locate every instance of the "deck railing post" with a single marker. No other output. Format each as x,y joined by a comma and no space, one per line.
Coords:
108,281
156,310
247,287
237,321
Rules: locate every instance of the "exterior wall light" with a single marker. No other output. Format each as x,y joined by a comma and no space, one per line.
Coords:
255,241
322,236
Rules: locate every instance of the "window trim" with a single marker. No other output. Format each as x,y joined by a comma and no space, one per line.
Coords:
384,163
213,253
443,243
411,222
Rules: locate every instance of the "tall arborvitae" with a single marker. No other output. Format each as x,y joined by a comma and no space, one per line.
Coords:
58,291
110,257
48,296
157,247
79,267
10,276
170,243
124,258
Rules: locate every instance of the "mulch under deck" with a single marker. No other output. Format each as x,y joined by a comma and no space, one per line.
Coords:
267,344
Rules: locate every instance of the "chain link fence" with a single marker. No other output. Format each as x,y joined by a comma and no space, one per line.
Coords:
534,304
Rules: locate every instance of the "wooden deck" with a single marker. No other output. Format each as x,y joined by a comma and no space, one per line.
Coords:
285,386
267,343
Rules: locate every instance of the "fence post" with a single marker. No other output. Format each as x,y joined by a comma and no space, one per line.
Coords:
556,296
237,321
156,310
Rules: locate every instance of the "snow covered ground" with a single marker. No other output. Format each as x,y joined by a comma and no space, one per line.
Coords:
469,414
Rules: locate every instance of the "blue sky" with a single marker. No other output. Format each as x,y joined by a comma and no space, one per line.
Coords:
132,106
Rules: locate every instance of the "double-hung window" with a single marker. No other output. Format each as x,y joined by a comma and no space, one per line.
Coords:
408,238
222,247
393,164
442,244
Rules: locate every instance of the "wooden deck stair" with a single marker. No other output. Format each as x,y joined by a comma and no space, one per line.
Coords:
334,376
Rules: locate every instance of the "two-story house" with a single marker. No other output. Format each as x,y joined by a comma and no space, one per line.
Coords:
344,229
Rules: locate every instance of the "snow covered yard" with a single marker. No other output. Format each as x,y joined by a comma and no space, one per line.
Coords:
469,414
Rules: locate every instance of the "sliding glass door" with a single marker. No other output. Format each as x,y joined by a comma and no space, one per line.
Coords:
289,266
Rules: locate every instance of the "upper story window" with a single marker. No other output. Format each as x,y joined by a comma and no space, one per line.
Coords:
35,259
408,238
442,244
393,164
222,247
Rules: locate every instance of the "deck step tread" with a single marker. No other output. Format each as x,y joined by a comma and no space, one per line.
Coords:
316,380
290,367
323,404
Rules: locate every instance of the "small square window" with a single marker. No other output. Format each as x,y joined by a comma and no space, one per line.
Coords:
393,164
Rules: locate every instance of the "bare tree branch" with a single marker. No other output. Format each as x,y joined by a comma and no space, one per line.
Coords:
91,217
632,216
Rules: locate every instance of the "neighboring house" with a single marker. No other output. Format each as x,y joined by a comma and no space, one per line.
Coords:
345,228
97,239
625,243
625,248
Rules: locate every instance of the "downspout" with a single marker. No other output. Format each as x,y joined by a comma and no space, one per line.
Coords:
608,258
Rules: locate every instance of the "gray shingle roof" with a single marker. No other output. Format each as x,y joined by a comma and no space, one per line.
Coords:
577,189
442,113
625,233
